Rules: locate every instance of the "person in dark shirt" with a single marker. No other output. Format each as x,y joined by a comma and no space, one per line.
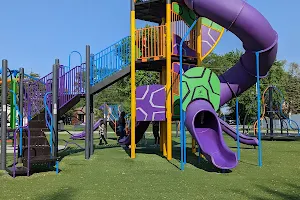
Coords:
155,130
122,124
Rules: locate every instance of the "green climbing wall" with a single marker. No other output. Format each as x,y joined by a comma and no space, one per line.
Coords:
201,83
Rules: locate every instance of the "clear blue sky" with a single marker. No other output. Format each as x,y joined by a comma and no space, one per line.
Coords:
34,32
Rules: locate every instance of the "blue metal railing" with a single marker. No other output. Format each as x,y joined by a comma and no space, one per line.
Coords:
110,60
48,113
20,117
80,58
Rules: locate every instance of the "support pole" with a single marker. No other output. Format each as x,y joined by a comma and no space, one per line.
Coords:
92,125
133,87
182,113
237,128
55,107
168,84
258,110
21,98
194,150
199,62
105,120
13,112
92,110
3,114
87,103
163,125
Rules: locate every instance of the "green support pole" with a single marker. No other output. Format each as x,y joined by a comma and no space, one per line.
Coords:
13,112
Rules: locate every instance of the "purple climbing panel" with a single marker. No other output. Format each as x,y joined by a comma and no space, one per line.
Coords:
186,51
150,103
71,84
35,91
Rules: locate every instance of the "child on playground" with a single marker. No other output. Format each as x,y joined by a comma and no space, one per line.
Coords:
101,134
155,130
122,124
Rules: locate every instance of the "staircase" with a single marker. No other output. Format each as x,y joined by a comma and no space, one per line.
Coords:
36,149
108,66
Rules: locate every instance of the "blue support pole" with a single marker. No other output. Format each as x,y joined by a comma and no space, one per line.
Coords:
182,115
57,167
237,128
258,111
184,142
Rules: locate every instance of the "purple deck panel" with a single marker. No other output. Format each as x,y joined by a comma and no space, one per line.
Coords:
240,77
150,103
82,134
186,51
208,133
232,133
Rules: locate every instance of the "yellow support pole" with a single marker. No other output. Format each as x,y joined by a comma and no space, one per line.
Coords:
199,41
199,61
162,130
194,150
161,142
133,87
163,124
168,84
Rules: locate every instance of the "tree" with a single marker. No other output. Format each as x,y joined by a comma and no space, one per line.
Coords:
292,89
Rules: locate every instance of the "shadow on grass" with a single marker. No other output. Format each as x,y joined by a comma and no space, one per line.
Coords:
251,148
65,194
248,163
35,169
292,192
76,149
191,157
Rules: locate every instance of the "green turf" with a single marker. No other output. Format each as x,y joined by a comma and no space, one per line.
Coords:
111,174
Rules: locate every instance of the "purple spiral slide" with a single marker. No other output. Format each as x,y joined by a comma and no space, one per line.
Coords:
257,35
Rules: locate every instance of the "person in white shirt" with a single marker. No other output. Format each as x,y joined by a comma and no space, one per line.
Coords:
101,134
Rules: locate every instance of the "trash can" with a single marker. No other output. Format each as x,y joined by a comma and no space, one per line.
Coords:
60,125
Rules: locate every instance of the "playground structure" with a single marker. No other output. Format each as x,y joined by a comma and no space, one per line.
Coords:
272,108
187,91
111,116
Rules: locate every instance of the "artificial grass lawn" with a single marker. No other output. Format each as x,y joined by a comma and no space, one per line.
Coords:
111,174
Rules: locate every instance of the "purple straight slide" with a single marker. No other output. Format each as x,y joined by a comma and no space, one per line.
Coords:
257,35
82,134
232,133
